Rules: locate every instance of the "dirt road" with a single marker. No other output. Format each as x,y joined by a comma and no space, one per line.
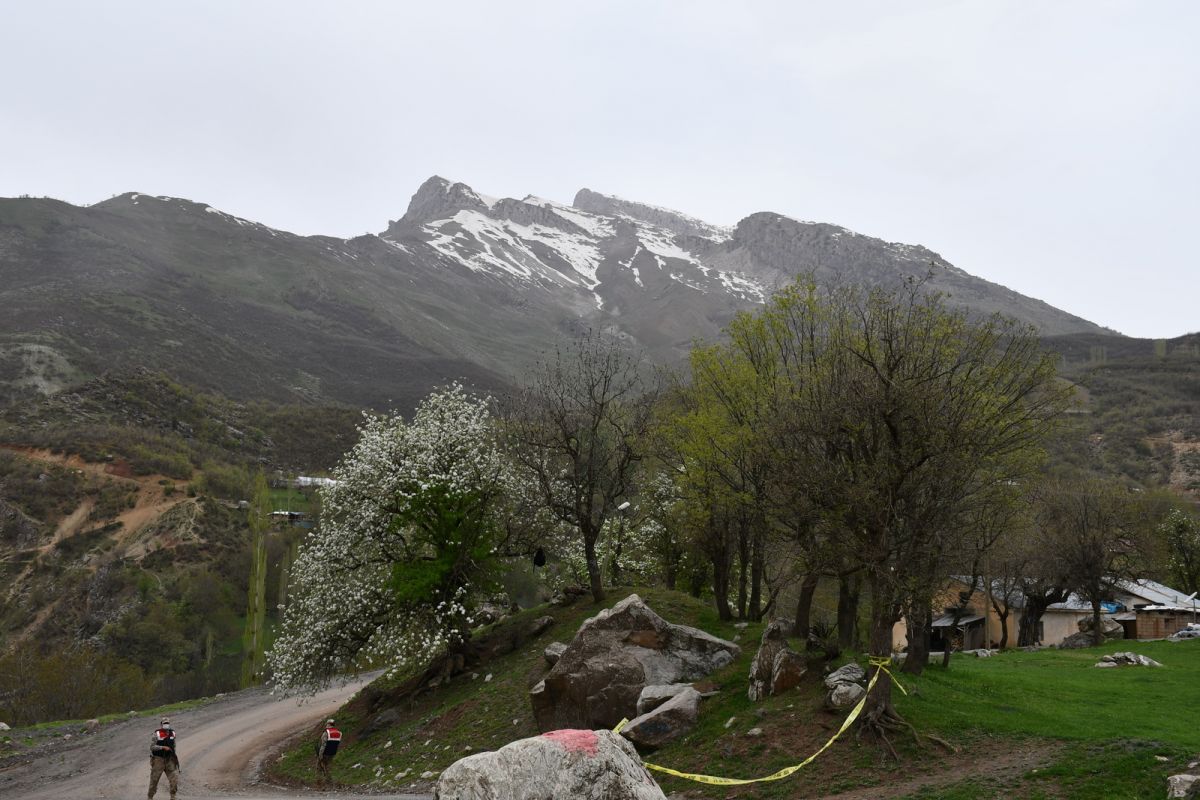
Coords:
221,746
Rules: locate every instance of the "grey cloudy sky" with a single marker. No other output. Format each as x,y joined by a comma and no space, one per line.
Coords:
1051,146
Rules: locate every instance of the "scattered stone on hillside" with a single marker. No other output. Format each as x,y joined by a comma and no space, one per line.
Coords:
490,612
4,726
844,695
981,653
1183,787
540,626
553,652
667,722
616,654
1190,632
1127,660
91,726
707,688
579,764
850,673
654,696
729,722
754,733
388,718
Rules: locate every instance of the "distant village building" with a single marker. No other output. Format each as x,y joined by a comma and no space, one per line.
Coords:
1146,609
1150,610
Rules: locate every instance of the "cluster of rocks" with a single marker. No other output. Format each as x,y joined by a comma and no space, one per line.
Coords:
776,667
602,676
1109,628
845,686
1186,785
1190,632
1126,659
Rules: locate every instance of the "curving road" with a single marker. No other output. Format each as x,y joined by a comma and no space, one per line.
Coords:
221,747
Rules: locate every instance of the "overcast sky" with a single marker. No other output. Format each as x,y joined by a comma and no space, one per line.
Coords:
1053,147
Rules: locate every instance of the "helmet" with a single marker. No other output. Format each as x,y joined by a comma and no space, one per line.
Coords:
328,722
166,721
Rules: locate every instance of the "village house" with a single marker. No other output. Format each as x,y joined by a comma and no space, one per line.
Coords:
1150,610
1146,610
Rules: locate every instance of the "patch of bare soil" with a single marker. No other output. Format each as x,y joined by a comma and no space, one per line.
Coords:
1000,763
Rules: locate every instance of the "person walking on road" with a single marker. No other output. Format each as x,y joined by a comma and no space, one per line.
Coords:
327,747
163,759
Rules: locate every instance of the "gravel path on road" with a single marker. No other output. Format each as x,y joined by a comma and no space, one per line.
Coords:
221,747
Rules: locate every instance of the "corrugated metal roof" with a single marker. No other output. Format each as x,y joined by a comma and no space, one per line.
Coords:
947,620
1156,593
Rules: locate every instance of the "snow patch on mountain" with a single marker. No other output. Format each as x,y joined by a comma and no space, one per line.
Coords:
483,244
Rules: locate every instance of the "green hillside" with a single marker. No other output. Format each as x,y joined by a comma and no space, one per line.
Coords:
1044,724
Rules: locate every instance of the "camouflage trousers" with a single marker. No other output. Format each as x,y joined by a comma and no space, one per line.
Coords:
159,765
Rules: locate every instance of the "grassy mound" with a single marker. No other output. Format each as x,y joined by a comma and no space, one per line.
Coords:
1043,724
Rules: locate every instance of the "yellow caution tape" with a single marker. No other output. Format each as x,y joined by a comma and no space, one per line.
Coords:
880,664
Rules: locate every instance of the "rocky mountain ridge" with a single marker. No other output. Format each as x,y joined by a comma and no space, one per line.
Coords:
461,286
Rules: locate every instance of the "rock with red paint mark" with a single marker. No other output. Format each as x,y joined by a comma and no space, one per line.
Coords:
599,677
560,765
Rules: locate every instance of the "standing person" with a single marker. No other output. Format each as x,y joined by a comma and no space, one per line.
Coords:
327,747
163,759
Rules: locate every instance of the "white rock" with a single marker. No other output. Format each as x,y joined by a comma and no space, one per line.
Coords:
754,732
729,722
850,673
845,695
654,696
1180,786
488,678
4,727
427,774
575,764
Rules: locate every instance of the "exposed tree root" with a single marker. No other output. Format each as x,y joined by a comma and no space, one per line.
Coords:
883,720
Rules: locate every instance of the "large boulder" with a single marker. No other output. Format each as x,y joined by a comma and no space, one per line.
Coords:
665,723
598,679
1109,628
560,765
776,667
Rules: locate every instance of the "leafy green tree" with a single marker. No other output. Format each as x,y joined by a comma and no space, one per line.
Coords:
1181,532
903,420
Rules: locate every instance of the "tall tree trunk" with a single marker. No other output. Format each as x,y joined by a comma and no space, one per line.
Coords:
593,566
1003,617
849,588
879,715
721,588
757,572
743,567
1097,633
1027,626
803,624
671,568
918,621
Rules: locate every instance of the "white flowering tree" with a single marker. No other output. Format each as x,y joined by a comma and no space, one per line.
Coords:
408,536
